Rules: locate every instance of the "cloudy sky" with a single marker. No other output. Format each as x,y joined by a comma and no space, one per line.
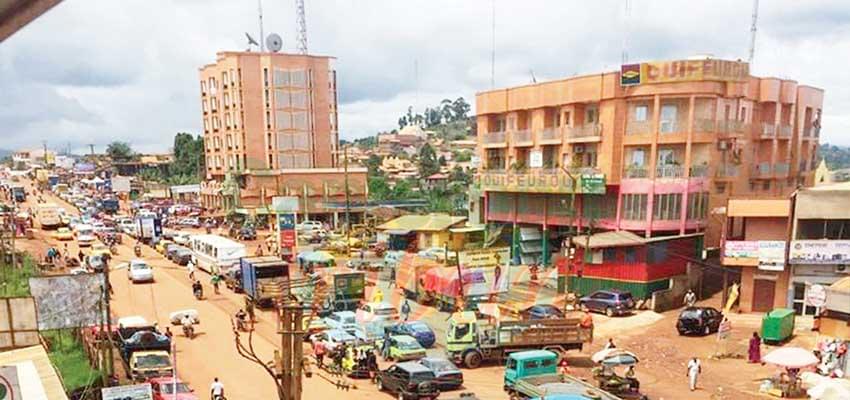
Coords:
93,71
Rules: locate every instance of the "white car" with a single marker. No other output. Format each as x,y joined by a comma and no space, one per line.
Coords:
181,238
370,312
84,234
139,271
344,320
308,226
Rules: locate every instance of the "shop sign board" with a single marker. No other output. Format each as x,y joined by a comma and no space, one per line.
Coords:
540,182
484,257
684,71
128,392
771,255
816,296
824,252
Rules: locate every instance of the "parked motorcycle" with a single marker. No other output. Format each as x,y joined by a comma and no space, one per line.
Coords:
138,250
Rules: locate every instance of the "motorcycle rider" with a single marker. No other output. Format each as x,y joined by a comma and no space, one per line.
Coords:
188,326
197,289
241,319
138,248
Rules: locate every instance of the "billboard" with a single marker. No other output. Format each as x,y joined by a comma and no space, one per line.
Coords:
824,252
684,71
484,257
771,255
285,204
129,392
540,182
67,301
18,324
10,388
286,233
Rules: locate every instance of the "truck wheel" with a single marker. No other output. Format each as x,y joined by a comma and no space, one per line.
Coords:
472,359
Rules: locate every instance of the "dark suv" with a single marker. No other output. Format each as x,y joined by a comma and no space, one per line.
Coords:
611,302
704,320
409,381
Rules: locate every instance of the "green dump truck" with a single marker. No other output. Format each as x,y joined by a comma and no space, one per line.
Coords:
471,341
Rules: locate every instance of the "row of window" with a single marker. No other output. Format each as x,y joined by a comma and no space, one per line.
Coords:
665,207
656,253
227,77
217,162
283,77
229,122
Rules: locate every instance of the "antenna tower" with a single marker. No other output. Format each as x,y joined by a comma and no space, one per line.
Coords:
262,35
753,29
628,16
493,50
301,20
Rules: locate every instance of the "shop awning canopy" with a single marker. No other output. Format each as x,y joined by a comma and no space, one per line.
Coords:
468,229
398,232
37,378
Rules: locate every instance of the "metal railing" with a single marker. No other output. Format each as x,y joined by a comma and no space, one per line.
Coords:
549,134
668,171
785,131
638,127
705,125
671,126
522,136
698,171
731,126
726,171
807,131
586,130
636,172
781,169
763,169
494,137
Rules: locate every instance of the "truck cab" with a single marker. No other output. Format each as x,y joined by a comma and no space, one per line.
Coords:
148,364
529,363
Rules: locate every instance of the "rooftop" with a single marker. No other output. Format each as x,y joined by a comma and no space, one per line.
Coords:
422,223
37,378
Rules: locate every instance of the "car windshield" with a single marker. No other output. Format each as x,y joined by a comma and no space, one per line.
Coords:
441,366
168,388
384,311
140,266
691,314
408,345
340,336
347,320
152,361
625,296
84,232
419,327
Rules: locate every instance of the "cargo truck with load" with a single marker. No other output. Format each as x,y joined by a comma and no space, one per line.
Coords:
145,352
346,290
471,341
264,279
19,194
534,374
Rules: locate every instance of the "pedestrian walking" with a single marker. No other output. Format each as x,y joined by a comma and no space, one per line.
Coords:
377,295
319,352
405,309
694,369
754,351
259,252
217,390
392,278
81,256
216,279
610,344
191,268
249,308
690,298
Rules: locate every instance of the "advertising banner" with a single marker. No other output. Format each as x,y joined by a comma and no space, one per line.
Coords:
285,204
287,239
741,249
67,301
129,392
684,71
484,257
771,255
540,182
824,252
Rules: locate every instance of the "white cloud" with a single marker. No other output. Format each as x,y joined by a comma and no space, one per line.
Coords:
94,71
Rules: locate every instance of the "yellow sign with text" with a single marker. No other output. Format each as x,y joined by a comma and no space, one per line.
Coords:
694,70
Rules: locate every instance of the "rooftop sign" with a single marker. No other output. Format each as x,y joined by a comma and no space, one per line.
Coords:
540,182
684,71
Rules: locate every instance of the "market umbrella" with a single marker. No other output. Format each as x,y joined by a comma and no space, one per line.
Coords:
791,357
319,257
614,357
830,389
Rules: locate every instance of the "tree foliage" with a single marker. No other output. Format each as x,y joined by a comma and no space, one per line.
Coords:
188,164
837,157
120,151
428,163
448,111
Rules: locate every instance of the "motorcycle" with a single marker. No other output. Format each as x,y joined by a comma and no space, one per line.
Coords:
189,331
138,250
199,293
113,249
241,324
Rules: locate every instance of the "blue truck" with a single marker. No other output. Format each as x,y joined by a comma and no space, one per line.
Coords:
263,279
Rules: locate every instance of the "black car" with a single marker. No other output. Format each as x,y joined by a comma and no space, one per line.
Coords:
247,233
171,249
611,302
541,311
182,256
409,381
702,320
449,376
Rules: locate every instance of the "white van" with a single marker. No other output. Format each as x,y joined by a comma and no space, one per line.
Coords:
214,253
84,234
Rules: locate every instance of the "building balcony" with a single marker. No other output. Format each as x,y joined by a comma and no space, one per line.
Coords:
784,131
698,171
672,127
781,170
638,127
762,170
522,138
668,171
636,172
807,131
494,139
767,131
584,133
726,171
732,127
705,125
549,136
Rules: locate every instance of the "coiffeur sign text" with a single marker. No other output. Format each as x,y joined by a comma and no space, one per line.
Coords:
683,71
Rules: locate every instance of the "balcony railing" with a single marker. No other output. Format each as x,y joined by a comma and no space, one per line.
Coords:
522,136
636,172
762,170
494,137
781,169
807,131
584,170
638,127
803,165
668,171
586,130
768,131
785,131
698,171
549,134
732,127
705,125
726,171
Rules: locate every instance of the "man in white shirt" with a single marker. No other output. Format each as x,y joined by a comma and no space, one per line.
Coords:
217,390
191,268
694,370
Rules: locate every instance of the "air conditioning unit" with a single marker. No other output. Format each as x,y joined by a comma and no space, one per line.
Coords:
578,149
722,145
842,269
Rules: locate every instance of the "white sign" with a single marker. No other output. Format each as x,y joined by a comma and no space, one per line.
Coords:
771,255
536,159
820,252
285,204
130,392
816,296
476,161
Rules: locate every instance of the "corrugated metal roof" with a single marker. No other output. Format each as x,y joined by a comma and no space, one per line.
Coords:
422,223
758,208
841,285
44,383
623,238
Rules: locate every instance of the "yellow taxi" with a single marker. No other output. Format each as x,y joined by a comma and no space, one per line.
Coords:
100,249
63,234
162,245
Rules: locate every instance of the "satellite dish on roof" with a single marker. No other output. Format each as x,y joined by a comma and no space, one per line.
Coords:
274,42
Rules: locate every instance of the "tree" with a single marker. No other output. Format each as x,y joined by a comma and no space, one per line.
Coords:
378,188
402,190
460,109
442,161
188,164
462,156
428,164
373,164
446,110
120,151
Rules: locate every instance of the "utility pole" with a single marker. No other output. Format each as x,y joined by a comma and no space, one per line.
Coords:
753,29
347,203
262,38
493,50
291,329
106,296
